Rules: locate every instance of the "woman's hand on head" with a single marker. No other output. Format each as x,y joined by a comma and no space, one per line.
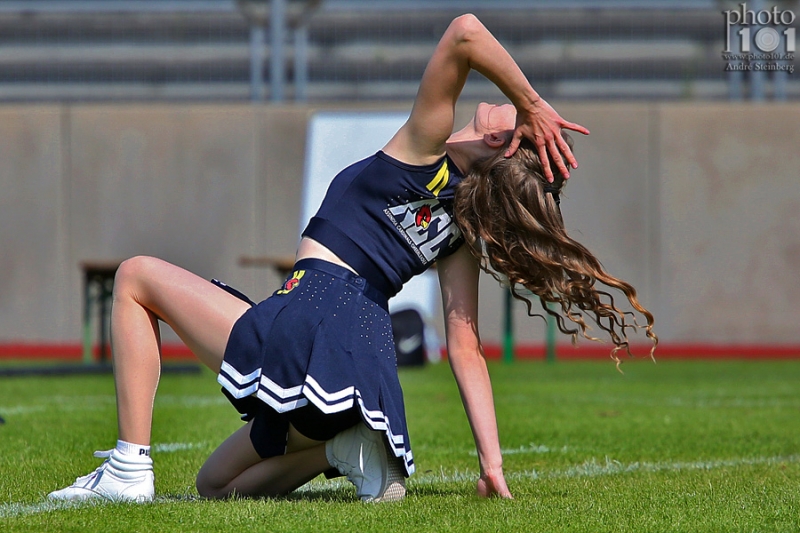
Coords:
493,484
542,125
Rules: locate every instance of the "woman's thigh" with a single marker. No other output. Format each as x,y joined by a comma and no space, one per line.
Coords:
200,313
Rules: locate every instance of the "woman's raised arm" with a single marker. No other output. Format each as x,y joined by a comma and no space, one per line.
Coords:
468,45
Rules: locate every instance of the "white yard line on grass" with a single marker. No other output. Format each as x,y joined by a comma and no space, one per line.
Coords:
98,402
14,510
22,409
61,403
530,448
171,447
609,467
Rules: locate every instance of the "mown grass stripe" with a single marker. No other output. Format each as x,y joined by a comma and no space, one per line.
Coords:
592,468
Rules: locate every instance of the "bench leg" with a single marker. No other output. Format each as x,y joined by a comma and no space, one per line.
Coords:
87,322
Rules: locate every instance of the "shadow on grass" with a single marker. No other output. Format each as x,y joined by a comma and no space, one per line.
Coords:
321,495
325,495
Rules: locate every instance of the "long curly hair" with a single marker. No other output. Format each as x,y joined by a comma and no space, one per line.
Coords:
511,221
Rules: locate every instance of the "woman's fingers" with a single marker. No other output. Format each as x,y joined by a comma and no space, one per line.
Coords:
567,151
574,127
544,130
548,172
516,139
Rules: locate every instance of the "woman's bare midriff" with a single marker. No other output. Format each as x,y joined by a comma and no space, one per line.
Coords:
311,249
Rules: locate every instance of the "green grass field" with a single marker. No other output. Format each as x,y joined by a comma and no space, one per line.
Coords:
677,446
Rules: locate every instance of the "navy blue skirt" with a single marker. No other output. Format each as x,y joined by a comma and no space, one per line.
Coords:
322,341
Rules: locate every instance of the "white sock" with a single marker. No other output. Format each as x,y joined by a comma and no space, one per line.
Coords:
127,451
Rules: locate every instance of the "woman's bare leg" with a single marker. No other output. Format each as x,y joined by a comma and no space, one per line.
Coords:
145,290
236,468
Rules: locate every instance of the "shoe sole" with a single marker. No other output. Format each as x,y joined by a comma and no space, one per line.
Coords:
394,484
395,489
98,496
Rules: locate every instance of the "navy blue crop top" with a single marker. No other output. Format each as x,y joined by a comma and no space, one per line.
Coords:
389,220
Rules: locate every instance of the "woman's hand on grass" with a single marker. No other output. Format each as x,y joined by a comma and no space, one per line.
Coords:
493,484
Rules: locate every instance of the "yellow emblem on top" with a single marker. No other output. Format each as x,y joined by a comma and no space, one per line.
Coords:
439,182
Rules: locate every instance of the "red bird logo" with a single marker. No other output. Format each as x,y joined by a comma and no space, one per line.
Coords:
292,282
423,217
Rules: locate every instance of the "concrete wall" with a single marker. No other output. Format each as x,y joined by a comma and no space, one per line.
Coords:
730,223
34,237
697,205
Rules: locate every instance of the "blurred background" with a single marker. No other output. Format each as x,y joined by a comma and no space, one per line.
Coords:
179,128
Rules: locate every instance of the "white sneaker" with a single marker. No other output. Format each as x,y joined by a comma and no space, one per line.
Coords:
360,454
114,480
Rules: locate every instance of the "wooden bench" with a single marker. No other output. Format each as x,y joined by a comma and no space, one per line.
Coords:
280,264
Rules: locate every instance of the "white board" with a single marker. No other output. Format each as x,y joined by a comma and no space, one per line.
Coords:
336,140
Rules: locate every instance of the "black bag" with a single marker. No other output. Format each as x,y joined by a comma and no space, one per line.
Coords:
408,328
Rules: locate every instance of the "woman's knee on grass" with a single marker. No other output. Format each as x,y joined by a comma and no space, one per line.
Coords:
225,464
217,474
208,487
